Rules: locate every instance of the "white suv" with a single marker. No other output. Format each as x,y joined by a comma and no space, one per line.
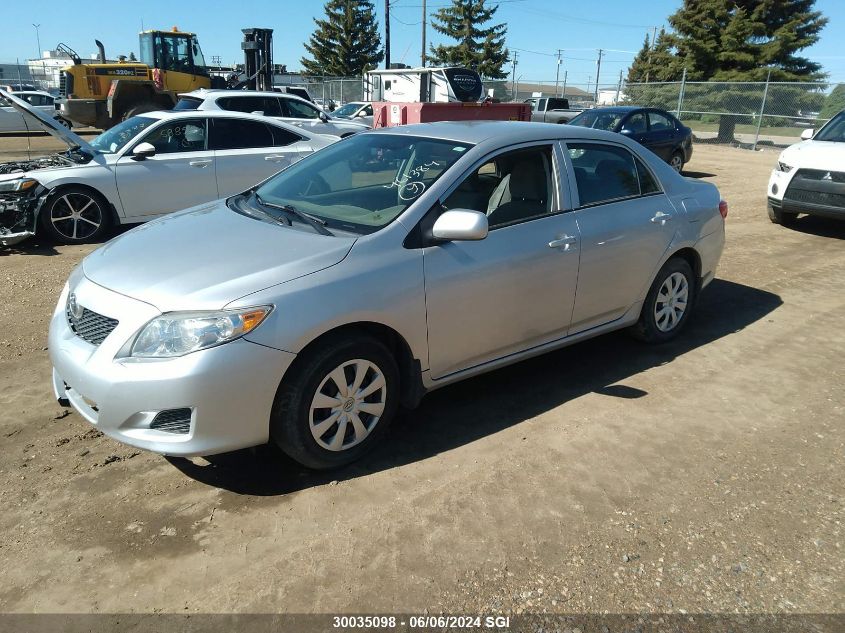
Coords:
286,107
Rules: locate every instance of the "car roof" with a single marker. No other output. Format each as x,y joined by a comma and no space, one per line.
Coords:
224,114
501,132
203,93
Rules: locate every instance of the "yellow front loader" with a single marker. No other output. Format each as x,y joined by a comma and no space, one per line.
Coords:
103,94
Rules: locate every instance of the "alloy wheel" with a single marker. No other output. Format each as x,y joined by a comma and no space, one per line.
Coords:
671,302
677,163
347,405
76,216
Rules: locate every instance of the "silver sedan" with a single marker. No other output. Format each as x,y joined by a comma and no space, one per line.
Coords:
306,309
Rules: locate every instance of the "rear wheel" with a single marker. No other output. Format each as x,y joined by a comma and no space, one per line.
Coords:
337,403
676,162
668,304
781,217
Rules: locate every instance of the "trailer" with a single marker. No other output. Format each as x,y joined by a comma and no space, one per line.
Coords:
423,85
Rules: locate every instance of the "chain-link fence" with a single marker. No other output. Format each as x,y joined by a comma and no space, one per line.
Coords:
327,90
739,113
34,75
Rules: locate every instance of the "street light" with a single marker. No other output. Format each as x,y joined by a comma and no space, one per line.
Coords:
38,39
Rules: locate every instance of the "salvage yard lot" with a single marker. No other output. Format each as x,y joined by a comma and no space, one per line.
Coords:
704,475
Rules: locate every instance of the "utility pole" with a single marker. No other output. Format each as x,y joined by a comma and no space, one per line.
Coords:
598,72
618,89
387,34
557,74
565,74
650,50
513,76
38,39
424,20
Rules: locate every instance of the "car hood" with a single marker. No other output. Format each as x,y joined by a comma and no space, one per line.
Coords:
51,126
815,155
208,256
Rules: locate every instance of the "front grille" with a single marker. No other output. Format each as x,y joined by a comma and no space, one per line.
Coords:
176,421
824,198
91,326
62,84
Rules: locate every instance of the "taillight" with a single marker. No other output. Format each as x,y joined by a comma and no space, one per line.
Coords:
723,209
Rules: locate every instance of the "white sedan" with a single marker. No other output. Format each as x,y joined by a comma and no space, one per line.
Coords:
143,168
810,176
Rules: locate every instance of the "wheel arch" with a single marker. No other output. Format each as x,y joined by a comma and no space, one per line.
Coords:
692,257
58,189
410,372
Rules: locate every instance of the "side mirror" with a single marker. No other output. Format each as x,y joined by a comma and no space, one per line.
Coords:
460,225
324,117
258,112
143,151
807,134
626,131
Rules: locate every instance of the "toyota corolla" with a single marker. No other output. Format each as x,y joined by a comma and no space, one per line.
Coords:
304,310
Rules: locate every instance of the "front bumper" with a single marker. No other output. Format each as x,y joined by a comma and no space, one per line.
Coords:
228,389
19,216
792,194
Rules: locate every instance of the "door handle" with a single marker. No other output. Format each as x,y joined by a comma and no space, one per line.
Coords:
661,218
566,241
275,158
200,163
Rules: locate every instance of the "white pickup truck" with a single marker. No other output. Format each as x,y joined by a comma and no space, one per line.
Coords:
551,110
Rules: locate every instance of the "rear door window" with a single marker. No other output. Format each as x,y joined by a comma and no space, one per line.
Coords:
603,172
237,134
659,122
268,106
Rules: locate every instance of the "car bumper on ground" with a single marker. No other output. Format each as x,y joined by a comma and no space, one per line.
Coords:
207,402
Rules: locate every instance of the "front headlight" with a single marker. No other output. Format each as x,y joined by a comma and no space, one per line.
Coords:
179,333
784,167
21,184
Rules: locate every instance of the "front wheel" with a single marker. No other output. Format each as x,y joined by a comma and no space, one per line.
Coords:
336,403
75,215
668,304
781,217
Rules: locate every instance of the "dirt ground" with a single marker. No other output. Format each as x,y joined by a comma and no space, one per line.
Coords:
701,476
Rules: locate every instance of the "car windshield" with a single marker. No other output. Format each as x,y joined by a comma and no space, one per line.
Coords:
348,110
834,130
114,139
362,183
598,120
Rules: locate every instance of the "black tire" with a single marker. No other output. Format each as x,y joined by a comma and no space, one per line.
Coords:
676,161
141,108
649,328
291,418
781,217
90,225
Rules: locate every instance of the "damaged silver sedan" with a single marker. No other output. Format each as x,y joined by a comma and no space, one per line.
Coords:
144,167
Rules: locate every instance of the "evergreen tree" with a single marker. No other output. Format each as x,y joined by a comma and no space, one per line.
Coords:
834,103
740,40
132,57
347,42
657,63
482,49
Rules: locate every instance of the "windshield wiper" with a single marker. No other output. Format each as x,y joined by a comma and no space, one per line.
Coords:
317,224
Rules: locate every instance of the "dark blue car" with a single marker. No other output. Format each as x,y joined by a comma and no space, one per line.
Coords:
658,130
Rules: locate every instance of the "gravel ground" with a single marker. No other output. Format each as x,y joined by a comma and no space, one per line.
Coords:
701,476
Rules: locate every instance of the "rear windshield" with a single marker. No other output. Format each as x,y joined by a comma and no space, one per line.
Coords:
187,103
